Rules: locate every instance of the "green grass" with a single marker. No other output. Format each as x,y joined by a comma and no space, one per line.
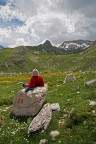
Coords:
21,59
79,122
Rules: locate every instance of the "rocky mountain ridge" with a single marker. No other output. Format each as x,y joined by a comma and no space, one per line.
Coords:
76,45
66,47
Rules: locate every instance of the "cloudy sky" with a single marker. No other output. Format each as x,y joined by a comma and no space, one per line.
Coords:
31,22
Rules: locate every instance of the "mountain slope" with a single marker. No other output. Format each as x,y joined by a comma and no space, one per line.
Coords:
24,59
89,58
17,60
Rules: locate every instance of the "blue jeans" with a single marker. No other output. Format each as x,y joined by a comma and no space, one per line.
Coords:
28,89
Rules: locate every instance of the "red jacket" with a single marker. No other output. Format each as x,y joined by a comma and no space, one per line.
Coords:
36,81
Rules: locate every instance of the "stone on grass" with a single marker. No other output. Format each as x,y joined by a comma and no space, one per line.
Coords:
54,134
69,78
92,103
29,103
55,107
43,141
90,83
61,122
42,120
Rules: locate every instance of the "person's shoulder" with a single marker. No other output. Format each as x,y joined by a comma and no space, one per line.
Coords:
40,76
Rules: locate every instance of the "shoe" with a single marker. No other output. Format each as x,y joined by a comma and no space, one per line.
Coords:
24,85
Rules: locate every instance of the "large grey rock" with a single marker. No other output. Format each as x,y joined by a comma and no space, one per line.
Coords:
29,104
90,83
69,78
42,120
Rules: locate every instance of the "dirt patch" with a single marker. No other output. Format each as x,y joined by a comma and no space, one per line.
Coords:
34,58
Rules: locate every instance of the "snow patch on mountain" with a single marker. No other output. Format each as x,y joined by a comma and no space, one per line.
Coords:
76,44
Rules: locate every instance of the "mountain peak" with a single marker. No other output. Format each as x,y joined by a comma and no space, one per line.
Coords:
47,43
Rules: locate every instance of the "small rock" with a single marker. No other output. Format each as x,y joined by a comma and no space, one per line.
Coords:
68,99
61,122
55,107
69,78
84,122
43,141
92,103
90,83
93,111
78,92
54,134
65,115
68,130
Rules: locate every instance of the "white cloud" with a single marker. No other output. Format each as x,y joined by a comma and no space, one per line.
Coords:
8,13
5,32
56,20
21,41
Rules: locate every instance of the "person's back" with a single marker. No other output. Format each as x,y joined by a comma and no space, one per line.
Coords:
35,81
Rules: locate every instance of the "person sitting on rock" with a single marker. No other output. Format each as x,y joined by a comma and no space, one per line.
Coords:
35,81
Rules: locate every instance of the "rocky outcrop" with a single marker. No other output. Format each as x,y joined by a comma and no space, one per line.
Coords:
30,103
90,83
42,120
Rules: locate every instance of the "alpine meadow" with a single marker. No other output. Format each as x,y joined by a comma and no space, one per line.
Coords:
76,120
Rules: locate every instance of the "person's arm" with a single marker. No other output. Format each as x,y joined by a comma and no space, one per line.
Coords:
41,81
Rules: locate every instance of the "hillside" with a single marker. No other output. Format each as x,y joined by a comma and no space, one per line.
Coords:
18,59
76,120
24,59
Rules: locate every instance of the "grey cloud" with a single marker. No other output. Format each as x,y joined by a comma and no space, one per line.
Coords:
52,19
79,4
86,7
53,30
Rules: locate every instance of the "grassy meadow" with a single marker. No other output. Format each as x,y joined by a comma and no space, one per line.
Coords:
76,121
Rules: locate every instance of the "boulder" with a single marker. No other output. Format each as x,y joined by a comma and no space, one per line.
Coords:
90,83
29,103
69,78
42,120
